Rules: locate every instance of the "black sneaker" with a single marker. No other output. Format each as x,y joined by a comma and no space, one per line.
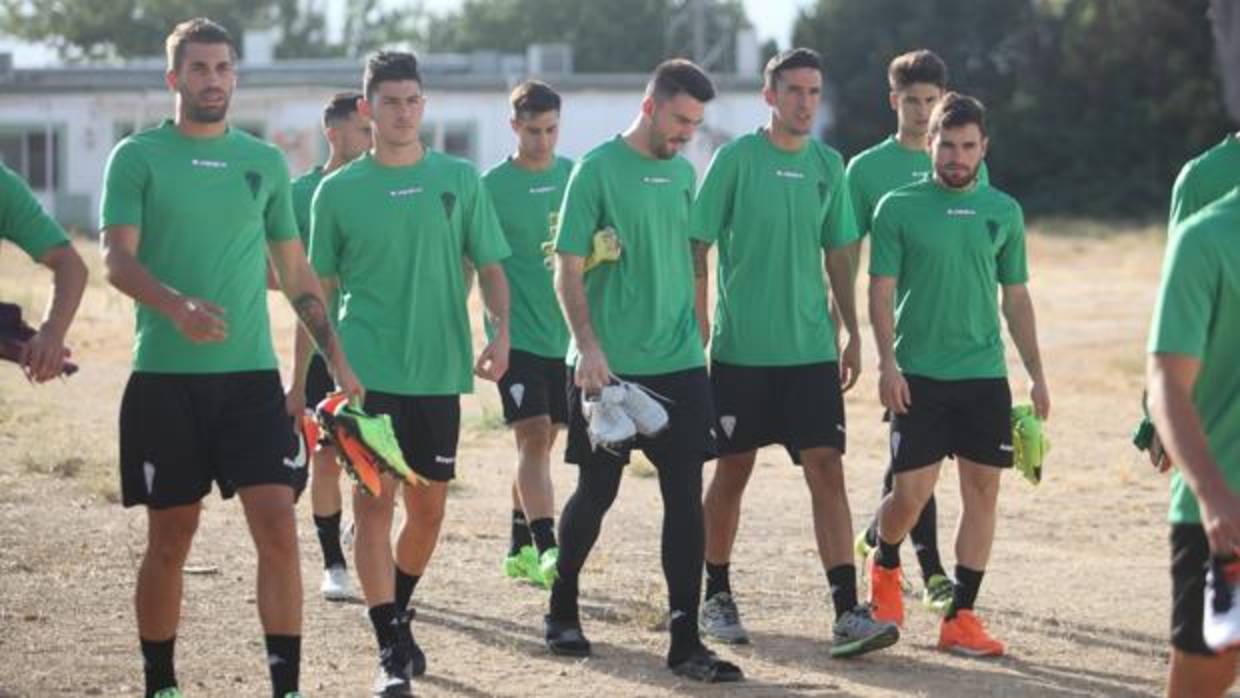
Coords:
393,680
417,658
703,665
564,638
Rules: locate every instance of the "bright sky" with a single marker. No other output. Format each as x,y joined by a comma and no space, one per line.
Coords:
772,19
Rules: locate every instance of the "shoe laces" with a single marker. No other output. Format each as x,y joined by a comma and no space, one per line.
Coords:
725,608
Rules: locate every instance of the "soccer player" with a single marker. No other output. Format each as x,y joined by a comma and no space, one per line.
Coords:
917,81
187,207
348,136
776,201
634,315
389,230
526,189
1193,380
24,222
942,249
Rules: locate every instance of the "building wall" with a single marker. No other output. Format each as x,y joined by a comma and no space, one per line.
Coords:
89,125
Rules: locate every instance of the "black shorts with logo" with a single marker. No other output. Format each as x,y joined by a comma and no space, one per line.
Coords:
181,432
533,386
318,381
800,407
1190,560
689,436
427,428
970,418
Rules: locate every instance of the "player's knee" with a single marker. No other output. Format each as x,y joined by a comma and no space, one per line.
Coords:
170,536
325,465
534,440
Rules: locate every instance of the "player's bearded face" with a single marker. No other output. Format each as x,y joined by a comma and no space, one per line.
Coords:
957,154
205,82
673,123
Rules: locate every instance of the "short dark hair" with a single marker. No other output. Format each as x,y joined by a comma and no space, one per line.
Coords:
956,110
198,30
342,104
389,66
679,76
917,66
789,60
533,97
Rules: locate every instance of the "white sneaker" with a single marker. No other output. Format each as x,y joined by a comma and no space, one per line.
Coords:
641,406
336,584
607,423
1220,624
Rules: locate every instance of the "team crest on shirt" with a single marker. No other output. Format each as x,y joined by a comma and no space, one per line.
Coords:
449,203
993,227
255,182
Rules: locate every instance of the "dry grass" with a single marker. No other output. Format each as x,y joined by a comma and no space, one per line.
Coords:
1077,585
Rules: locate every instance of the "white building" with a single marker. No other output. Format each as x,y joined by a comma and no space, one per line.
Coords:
58,125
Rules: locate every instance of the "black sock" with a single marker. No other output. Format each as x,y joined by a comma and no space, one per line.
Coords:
968,583
520,533
843,581
717,581
385,618
543,531
328,528
685,637
888,554
405,584
157,665
284,661
564,601
871,533
925,536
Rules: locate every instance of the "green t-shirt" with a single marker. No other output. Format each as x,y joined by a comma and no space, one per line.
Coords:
641,305
394,238
1203,180
773,213
1198,314
527,204
949,251
886,167
303,191
205,208
23,220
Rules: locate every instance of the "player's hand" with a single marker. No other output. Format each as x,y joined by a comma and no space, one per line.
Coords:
200,321
893,390
492,363
1159,458
43,356
592,373
346,381
850,363
1040,396
1220,516
295,401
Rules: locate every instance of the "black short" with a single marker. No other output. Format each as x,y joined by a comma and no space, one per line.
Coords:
427,428
1190,559
689,437
969,418
533,387
181,432
318,381
799,407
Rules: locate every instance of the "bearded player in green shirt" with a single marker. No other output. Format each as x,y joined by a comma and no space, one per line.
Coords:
917,80
1193,382
526,189
390,231
942,249
24,223
347,133
634,314
186,209
776,200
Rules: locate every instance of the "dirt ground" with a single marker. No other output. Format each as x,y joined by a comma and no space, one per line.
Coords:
1077,585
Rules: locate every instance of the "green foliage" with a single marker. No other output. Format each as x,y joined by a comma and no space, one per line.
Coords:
1094,105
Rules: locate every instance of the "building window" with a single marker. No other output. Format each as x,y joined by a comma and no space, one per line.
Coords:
457,138
34,153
